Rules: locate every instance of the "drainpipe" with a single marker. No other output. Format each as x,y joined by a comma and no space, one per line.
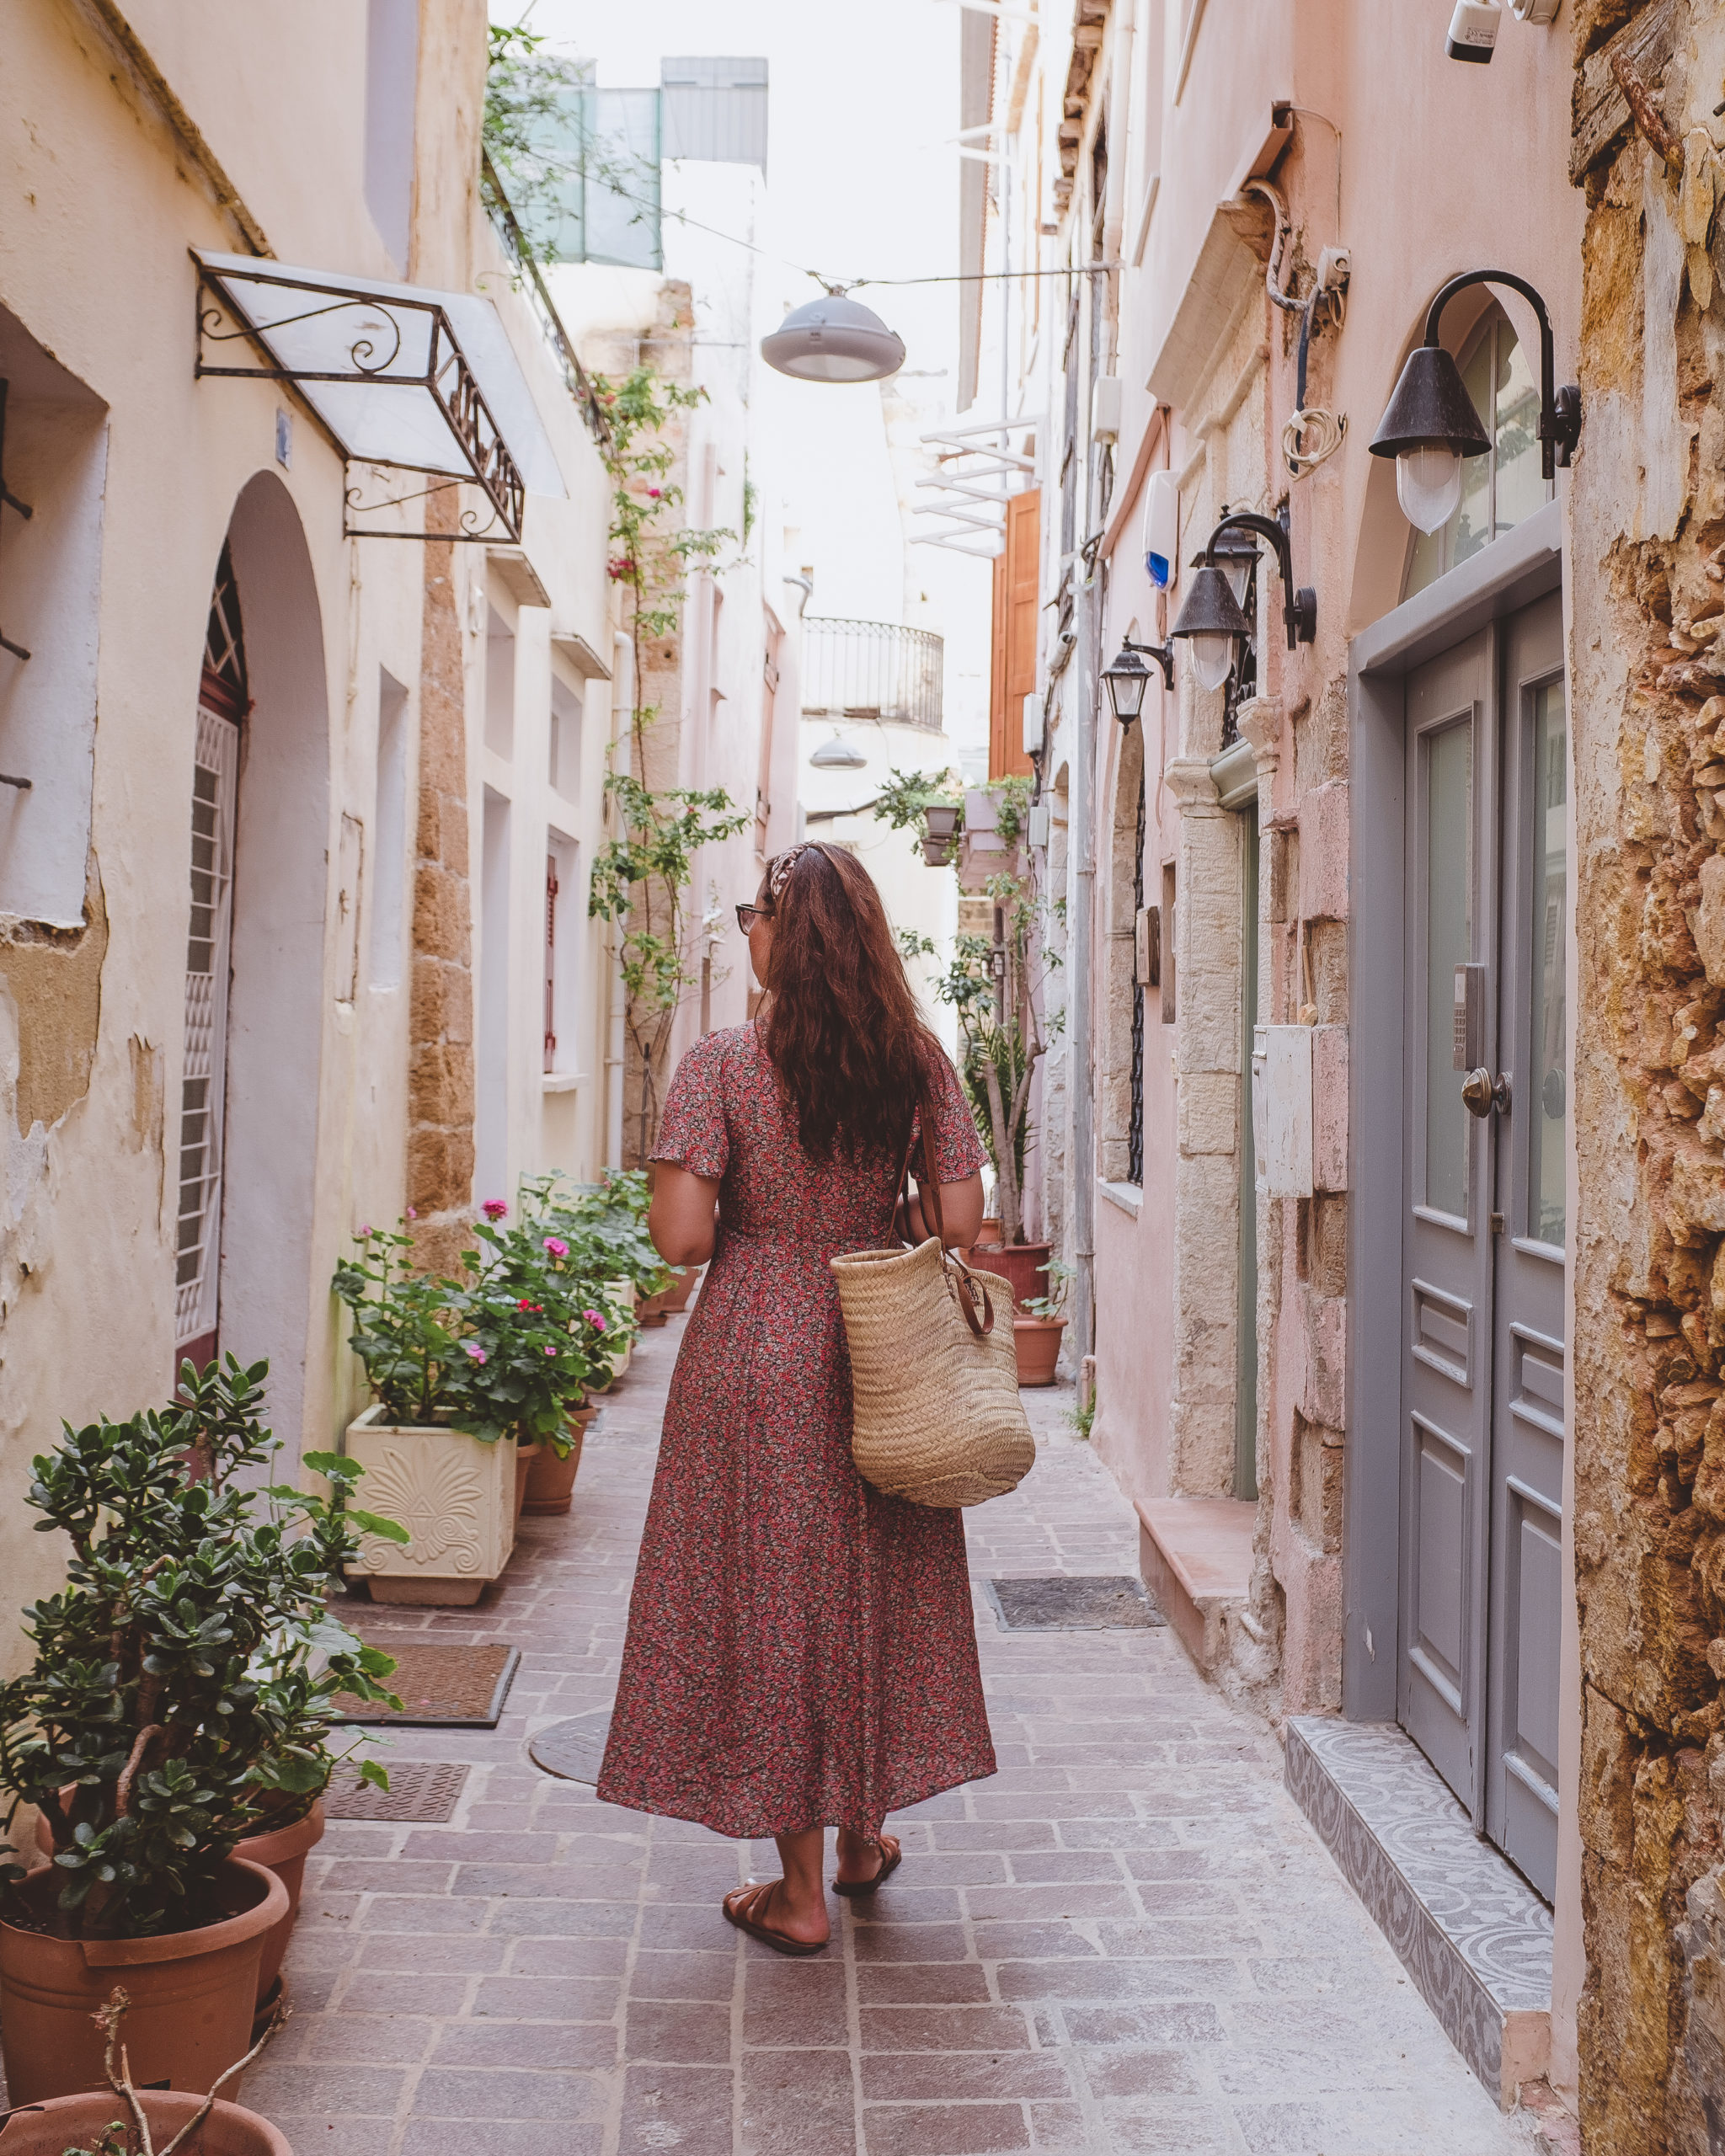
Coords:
622,692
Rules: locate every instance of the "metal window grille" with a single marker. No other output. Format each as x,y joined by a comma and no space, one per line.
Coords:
1134,1127
221,704
871,669
551,890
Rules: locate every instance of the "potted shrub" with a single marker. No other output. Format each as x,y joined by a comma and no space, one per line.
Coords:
430,1445
603,1232
529,1311
1037,1325
162,1719
133,2121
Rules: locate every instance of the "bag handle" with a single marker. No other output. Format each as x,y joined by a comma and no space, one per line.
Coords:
969,1288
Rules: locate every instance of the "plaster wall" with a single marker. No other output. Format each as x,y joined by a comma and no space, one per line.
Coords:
111,183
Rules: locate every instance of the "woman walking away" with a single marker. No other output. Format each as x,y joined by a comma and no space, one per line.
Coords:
801,1651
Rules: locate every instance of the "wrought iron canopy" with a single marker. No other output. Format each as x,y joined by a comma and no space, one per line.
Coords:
399,375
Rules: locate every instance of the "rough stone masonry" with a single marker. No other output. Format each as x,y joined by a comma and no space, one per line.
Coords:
1648,675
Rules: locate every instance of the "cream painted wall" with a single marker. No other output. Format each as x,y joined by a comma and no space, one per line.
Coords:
97,209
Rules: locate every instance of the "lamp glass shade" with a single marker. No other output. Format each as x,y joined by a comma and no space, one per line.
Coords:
1211,611
1429,484
1212,657
1128,678
834,339
1235,554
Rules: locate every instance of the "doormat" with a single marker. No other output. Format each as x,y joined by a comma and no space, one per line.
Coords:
423,1790
1059,1602
440,1686
572,1750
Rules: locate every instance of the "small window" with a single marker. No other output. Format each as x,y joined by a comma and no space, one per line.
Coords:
1503,488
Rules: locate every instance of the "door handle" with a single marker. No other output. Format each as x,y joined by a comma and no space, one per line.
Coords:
1485,1094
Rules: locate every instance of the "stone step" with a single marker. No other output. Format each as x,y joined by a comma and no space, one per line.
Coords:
1195,1554
1465,1925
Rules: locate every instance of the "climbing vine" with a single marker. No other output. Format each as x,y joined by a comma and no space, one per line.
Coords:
642,877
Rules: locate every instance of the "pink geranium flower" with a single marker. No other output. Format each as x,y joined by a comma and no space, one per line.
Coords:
557,1249
365,1231
477,1353
551,1351
494,1208
412,1213
594,1320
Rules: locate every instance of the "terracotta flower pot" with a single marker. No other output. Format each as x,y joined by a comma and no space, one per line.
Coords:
677,1297
192,1993
1021,1263
1037,1343
283,1851
68,2122
550,1484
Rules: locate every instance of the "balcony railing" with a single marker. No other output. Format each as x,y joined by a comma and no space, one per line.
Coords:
871,669
538,297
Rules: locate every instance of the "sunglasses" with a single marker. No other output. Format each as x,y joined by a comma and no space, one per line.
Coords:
747,915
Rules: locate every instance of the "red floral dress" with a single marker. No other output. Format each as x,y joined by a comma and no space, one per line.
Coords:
801,1649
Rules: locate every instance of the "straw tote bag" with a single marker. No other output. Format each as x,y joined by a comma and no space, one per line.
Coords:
934,1372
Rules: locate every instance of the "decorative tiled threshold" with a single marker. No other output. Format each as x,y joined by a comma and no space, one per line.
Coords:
1468,1928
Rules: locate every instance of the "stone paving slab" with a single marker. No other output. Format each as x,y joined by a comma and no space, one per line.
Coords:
1128,1940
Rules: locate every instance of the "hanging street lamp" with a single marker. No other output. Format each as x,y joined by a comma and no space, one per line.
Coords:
838,755
1212,619
1429,424
1127,677
834,339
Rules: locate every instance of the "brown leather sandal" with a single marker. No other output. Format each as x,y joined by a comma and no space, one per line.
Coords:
780,1941
889,1863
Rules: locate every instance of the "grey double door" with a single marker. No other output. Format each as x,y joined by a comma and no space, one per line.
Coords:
1484,1226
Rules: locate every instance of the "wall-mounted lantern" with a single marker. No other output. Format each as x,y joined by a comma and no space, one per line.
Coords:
834,339
940,826
1430,424
1212,619
1127,677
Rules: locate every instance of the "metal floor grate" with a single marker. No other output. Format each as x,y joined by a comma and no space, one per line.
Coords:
440,1686
1064,1602
423,1790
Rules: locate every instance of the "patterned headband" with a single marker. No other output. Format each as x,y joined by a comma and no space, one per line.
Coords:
783,866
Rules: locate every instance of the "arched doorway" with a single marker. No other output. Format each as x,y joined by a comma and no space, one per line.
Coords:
261,850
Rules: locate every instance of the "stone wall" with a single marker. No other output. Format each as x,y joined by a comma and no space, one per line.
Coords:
441,1099
1648,685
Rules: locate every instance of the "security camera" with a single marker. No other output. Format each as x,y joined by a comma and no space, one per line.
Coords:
1473,30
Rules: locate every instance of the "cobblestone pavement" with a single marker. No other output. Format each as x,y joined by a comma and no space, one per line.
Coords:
1127,1940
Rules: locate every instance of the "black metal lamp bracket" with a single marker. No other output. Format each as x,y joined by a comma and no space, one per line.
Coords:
1162,654
1560,409
1298,607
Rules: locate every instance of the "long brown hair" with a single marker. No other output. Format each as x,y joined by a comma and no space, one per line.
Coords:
840,1025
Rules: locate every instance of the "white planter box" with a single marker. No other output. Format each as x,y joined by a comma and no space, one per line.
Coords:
455,1495
619,1297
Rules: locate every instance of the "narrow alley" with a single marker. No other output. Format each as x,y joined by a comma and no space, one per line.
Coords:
1130,1939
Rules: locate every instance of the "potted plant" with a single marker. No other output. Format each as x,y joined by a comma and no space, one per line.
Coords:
996,983
156,1725
1037,1325
603,1231
529,1311
432,1439
149,2121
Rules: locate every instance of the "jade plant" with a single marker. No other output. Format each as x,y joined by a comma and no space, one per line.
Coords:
184,1678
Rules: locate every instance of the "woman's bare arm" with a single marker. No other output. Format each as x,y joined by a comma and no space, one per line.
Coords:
961,1214
681,1218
